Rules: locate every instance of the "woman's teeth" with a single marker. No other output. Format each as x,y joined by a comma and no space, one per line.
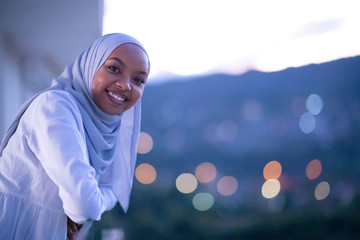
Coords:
117,97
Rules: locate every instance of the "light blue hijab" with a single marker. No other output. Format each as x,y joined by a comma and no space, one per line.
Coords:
111,139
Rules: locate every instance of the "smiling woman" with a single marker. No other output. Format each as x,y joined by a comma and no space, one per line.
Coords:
69,155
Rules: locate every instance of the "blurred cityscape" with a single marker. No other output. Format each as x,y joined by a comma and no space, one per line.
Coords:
254,156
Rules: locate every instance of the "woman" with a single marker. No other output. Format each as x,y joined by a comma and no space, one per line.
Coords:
70,153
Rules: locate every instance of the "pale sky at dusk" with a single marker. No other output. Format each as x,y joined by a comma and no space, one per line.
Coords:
191,37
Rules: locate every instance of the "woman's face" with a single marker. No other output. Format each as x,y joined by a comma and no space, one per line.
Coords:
119,83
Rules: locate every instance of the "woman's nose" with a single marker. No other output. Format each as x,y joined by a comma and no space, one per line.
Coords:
124,84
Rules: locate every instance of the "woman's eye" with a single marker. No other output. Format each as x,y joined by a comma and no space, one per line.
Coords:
140,80
114,69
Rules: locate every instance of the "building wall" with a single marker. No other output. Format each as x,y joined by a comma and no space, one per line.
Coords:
38,38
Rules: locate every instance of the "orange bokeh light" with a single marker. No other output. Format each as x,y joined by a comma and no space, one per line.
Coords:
272,170
313,169
145,173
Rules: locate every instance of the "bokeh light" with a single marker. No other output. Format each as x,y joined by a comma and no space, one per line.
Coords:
307,123
203,201
314,104
205,172
322,190
227,131
186,183
145,173
270,188
227,185
209,133
272,170
251,111
313,169
145,143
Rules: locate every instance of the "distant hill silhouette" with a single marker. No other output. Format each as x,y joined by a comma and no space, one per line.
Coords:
241,122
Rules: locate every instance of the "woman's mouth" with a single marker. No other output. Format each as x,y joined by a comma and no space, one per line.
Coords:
116,97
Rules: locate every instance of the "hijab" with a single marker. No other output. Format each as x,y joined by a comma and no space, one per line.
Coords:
111,139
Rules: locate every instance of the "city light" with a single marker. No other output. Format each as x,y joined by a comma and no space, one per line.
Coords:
203,201
205,172
145,143
145,173
313,169
186,183
322,190
272,170
227,185
270,188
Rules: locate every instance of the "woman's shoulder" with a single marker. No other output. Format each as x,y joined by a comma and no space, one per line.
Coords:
56,96
54,102
59,98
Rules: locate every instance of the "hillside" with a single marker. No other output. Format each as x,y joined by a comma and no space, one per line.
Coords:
240,123
183,116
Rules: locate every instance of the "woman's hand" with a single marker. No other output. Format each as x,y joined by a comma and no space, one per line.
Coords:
73,229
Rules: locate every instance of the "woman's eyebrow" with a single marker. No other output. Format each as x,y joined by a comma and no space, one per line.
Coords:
123,64
118,60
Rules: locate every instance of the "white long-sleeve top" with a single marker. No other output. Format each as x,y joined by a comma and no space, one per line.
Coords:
46,175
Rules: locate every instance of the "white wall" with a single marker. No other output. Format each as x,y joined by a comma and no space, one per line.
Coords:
38,38
10,90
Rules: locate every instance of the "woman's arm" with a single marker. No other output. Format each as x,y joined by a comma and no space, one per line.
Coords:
58,140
